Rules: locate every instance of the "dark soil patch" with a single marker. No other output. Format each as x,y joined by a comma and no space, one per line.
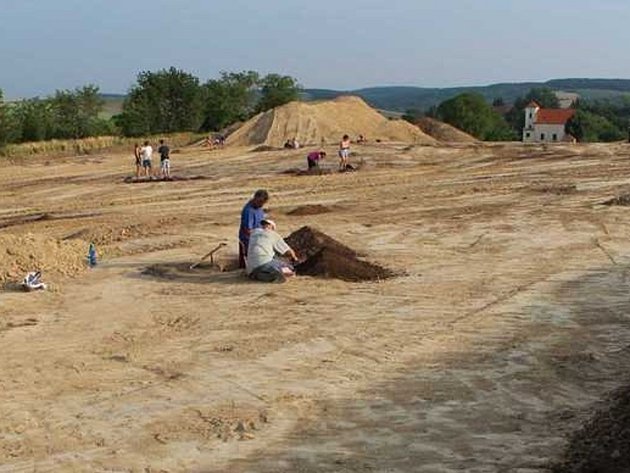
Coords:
308,172
314,209
323,171
264,148
42,217
622,200
324,256
603,443
144,180
182,271
562,189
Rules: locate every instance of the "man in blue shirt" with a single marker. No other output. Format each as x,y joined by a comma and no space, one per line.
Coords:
251,218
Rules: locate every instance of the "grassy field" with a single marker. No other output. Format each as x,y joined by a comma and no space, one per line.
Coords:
86,146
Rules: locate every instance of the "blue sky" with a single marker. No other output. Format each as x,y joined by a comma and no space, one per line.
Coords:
53,44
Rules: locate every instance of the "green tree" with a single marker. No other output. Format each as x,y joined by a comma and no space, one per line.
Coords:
6,121
76,112
166,101
590,127
229,99
276,90
544,96
471,113
412,115
35,119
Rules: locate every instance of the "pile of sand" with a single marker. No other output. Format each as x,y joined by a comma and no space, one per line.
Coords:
23,253
324,256
325,122
443,131
601,444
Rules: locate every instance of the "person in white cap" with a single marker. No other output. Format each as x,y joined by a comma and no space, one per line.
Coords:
262,262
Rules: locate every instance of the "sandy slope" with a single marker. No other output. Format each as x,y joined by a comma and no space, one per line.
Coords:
444,132
325,122
511,320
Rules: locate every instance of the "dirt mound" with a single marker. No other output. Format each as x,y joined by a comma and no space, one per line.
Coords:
443,131
326,257
310,209
318,123
603,443
24,253
622,200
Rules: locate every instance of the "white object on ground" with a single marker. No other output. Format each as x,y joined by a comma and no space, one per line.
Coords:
32,282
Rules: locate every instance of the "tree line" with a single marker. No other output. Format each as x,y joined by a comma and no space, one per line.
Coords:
165,101
594,121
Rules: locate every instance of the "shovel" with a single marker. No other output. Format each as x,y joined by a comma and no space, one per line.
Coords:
209,255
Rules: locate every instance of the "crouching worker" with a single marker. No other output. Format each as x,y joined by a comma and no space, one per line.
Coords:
313,158
265,247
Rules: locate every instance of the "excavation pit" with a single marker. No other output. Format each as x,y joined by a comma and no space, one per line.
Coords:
185,271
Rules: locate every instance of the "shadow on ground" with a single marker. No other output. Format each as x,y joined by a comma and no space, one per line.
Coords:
490,406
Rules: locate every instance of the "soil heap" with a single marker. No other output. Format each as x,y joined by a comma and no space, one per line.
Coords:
324,122
24,253
326,257
443,131
602,444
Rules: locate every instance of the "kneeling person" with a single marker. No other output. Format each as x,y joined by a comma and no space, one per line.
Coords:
262,261
313,158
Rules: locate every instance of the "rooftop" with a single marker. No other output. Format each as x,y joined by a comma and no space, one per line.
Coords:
554,116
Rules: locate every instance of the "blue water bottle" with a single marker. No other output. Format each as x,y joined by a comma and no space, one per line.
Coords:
92,255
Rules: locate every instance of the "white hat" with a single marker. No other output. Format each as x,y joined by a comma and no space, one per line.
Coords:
269,222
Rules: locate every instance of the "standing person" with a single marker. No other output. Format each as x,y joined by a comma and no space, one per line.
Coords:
344,152
136,154
251,218
262,261
314,157
145,153
165,160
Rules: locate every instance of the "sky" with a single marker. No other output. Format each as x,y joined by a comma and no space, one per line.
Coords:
342,44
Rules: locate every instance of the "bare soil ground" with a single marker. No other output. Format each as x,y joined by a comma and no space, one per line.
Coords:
500,345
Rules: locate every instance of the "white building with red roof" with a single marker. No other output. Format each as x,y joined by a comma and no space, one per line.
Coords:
546,125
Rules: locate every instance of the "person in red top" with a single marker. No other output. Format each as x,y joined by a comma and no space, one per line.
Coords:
314,157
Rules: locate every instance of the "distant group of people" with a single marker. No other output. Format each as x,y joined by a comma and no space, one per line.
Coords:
314,157
292,143
144,160
214,142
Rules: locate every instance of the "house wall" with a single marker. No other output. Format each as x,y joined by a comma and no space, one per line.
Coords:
549,131
530,117
544,134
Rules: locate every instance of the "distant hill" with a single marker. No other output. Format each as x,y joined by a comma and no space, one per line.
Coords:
400,99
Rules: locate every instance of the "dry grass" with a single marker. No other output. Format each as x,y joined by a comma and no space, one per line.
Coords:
59,148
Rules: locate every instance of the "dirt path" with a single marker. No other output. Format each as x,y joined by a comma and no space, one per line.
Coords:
509,323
